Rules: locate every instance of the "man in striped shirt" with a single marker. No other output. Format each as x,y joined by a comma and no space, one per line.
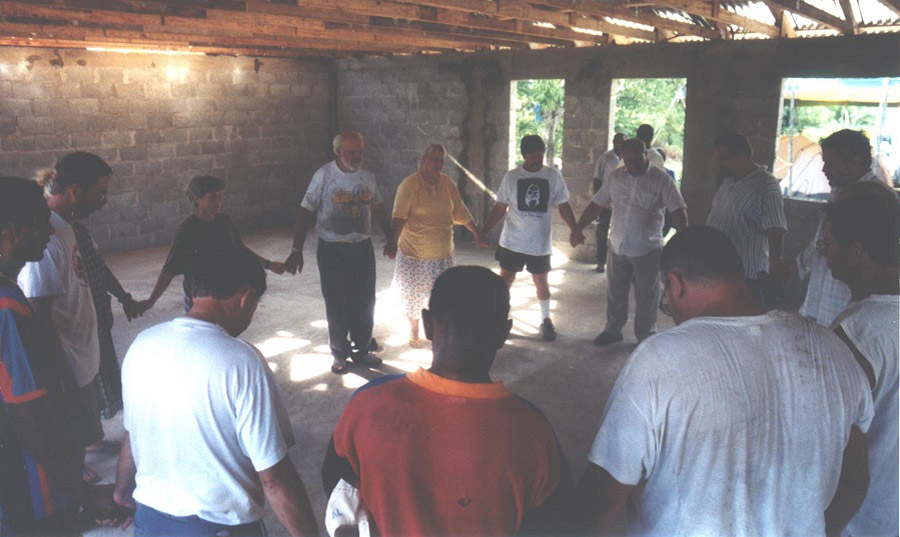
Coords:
749,209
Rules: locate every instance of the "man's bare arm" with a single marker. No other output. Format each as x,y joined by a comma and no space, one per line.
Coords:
285,493
852,485
599,501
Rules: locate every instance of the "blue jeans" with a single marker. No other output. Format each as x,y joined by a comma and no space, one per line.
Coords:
149,522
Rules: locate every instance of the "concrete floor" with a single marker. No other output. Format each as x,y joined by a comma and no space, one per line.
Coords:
568,379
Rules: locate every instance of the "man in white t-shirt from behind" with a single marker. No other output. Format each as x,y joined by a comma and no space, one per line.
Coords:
736,421
638,195
207,435
861,241
526,196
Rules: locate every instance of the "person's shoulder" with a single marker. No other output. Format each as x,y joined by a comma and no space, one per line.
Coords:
551,172
382,389
13,301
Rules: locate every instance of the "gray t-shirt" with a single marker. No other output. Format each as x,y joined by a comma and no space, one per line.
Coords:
342,203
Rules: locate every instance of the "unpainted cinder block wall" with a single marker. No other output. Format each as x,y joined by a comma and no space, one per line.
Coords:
464,101
261,125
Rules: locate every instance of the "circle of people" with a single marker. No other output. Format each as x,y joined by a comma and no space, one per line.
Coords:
741,420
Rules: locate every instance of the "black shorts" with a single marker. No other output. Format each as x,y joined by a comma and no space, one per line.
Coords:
514,261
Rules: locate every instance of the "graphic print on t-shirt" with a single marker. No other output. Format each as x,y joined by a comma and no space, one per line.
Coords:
533,195
350,210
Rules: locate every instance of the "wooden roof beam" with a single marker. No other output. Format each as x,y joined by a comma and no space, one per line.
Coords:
380,8
813,13
701,8
893,5
523,10
597,9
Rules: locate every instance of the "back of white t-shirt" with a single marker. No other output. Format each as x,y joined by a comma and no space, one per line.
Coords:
204,416
733,426
61,275
871,325
530,197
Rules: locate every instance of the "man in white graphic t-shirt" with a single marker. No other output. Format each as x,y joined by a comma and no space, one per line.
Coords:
737,421
343,199
526,196
861,242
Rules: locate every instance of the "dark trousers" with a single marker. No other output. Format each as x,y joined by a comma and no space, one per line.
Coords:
347,274
603,236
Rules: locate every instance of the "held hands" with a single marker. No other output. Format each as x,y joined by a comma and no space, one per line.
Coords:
132,308
481,240
390,249
294,262
576,238
277,268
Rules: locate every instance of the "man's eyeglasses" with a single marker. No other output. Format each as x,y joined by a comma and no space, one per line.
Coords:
663,304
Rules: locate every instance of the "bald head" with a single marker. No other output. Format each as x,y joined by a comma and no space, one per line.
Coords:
348,147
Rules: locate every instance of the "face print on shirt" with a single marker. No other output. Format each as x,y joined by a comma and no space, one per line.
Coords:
351,209
533,195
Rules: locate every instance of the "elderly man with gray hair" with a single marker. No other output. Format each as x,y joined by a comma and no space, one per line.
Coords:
343,198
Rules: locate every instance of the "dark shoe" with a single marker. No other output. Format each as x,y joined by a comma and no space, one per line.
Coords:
547,330
339,367
600,269
605,338
365,358
374,346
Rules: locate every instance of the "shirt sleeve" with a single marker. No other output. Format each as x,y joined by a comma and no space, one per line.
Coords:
44,278
503,193
461,214
602,197
257,420
625,444
671,196
179,259
772,209
562,191
17,380
403,199
313,196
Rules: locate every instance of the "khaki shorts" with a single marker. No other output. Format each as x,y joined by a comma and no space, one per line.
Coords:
87,427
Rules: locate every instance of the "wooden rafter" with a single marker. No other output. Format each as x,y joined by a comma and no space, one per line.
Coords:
847,9
597,9
524,11
708,11
813,13
893,5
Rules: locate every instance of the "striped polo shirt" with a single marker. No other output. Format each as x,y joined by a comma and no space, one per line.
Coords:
27,492
744,209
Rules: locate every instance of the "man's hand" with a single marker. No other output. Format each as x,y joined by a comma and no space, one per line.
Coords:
576,238
100,505
132,309
481,240
143,305
276,267
294,262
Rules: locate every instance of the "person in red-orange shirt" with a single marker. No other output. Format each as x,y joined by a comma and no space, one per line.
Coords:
477,460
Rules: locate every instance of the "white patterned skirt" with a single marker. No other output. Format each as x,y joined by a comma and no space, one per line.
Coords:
413,280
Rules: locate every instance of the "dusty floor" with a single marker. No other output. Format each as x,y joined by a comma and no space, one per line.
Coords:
568,379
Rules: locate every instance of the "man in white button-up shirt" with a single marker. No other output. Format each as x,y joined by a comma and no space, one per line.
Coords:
638,195
606,164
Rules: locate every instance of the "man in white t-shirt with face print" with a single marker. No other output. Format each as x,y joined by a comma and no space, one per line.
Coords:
526,196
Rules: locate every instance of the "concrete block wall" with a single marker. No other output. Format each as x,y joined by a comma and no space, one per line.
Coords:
260,125
731,85
402,104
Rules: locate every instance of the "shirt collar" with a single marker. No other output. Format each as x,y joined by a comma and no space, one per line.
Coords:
471,390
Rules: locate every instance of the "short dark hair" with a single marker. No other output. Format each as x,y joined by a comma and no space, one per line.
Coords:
202,185
847,143
702,253
220,274
733,143
20,200
634,145
81,168
532,143
469,301
645,131
870,219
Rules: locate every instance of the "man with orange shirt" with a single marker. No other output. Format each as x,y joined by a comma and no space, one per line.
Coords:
478,459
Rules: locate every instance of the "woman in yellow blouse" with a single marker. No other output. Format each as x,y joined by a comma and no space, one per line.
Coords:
425,209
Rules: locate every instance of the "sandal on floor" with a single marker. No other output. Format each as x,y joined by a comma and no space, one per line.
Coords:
339,368
416,343
366,358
